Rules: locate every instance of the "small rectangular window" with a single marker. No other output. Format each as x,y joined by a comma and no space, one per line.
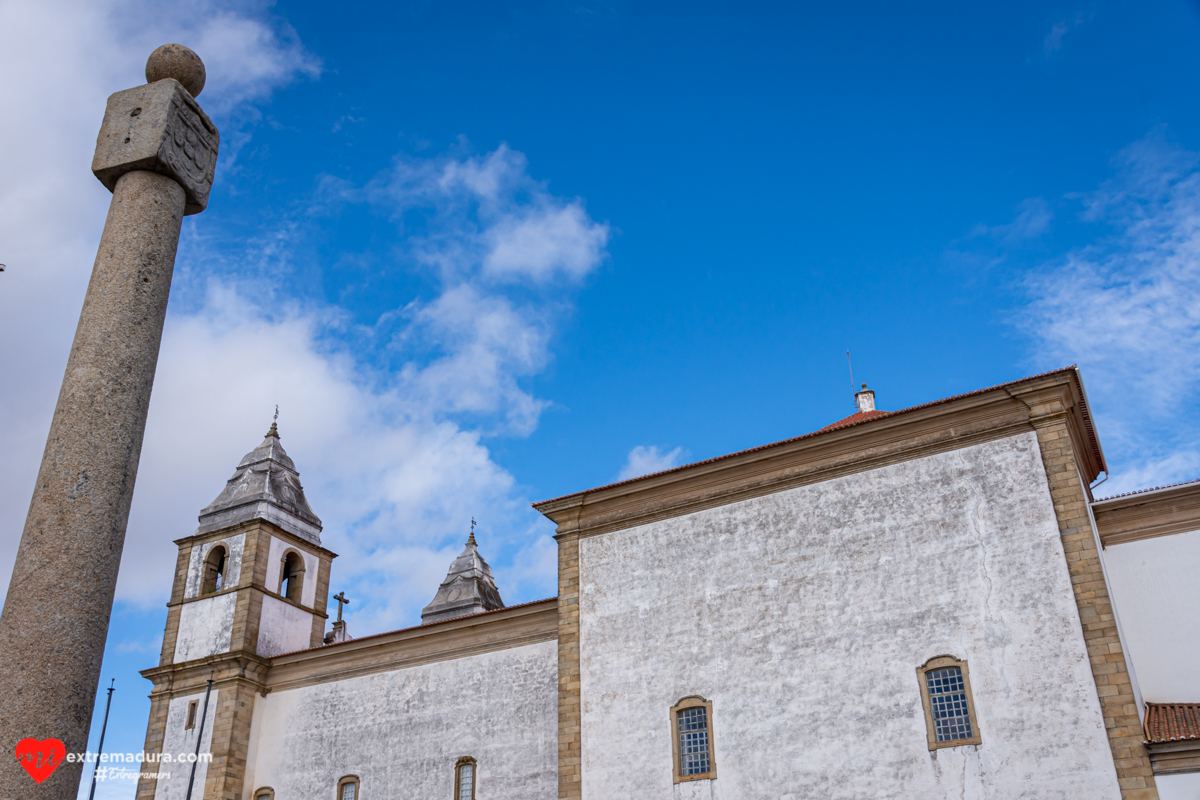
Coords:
692,739
191,714
949,710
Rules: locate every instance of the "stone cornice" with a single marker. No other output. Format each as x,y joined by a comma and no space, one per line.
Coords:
191,676
914,433
515,626
1148,514
242,527
467,636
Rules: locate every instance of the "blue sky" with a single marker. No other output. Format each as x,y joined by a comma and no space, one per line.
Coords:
487,253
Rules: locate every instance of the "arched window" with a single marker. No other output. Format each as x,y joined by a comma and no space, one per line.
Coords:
464,778
265,793
214,570
950,719
692,739
347,788
291,576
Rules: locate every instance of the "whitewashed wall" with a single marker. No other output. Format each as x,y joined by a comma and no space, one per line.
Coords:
179,741
1178,787
205,627
401,732
1156,588
803,616
283,628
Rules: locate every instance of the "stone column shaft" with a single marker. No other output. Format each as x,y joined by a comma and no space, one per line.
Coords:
55,618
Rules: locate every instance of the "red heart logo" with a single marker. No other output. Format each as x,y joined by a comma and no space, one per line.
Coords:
40,759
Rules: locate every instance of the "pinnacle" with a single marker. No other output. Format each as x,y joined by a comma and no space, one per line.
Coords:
274,430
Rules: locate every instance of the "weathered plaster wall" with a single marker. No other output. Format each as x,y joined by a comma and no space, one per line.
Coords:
308,591
1157,593
401,732
233,563
803,616
205,627
179,741
283,628
1178,787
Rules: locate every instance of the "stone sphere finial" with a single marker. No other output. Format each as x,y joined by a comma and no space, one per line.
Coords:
178,62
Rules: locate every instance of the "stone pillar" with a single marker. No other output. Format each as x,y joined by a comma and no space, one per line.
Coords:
156,151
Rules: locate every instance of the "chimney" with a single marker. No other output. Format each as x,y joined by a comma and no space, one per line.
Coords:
865,400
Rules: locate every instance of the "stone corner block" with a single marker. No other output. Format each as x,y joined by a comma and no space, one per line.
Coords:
161,128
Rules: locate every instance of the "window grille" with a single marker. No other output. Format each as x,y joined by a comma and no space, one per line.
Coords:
949,710
464,779
347,788
692,734
948,704
693,741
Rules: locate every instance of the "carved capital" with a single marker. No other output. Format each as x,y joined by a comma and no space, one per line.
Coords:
160,128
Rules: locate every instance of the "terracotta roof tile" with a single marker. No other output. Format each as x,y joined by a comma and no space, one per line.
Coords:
858,418
854,419
1172,722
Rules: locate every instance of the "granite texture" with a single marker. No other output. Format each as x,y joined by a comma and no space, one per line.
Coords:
160,128
178,62
55,618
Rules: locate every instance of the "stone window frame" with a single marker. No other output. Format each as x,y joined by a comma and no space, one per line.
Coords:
283,576
264,793
211,587
458,765
189,719
941,662
692,701
348,779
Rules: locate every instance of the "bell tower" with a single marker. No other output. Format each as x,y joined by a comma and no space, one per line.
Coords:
252,582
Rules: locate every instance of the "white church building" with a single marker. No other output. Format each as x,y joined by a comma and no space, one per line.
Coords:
926,603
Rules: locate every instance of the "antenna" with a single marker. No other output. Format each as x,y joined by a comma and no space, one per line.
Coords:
852,390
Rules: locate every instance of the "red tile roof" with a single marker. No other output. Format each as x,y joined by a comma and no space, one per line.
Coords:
854,419
1172,722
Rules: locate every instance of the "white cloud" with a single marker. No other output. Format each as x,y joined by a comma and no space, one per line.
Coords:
1033,219
643,460
61,59
387,422
1053,41
1127,309
393,482
521,232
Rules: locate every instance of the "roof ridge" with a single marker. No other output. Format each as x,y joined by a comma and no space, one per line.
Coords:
841,424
